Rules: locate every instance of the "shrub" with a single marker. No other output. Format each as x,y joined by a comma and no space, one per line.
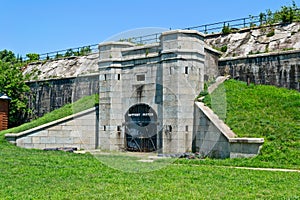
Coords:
33,56
224,48
271,33
226,29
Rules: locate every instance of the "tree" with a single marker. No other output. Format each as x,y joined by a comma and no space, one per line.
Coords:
33,56
7,56
13,83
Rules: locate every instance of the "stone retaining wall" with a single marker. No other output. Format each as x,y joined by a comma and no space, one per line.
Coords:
79,131
48,95
280,69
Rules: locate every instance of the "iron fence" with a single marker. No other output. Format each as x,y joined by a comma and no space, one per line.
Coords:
152,38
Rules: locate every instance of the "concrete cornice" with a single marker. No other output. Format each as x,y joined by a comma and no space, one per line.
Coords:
178,31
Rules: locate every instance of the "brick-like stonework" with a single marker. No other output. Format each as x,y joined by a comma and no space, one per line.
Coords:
78,131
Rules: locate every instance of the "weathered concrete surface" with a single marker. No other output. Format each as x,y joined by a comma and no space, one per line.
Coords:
79,131
50,94
65,67
165,76
256,40
279,69
242,43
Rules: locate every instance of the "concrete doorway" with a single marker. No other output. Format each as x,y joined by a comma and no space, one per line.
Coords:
141,129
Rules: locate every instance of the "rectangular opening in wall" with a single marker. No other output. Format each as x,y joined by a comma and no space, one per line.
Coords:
186,128
105,77
118,128
119,77
186,70
140,77
169,128
104,128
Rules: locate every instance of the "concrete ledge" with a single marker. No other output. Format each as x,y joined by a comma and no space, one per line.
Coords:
247,140
12,137
219,124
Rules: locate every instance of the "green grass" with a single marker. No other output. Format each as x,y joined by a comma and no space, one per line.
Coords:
36,174
67,110
261,111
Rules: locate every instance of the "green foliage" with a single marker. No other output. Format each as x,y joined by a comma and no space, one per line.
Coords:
287,14
7,56
33,56
226,29
85,50
69,53
268,112
58,55
271,33
262,18
68,109
224,48
12,83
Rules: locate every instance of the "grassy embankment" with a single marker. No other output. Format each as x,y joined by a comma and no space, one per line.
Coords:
260,111
256,111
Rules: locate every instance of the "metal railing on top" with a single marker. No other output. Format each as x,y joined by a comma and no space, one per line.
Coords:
152,38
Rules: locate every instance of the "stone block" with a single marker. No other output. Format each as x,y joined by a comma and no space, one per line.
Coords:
28,145
39,146
24,140
47,140
55,128
35,140
64,140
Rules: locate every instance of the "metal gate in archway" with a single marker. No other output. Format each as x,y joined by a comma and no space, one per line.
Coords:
141,128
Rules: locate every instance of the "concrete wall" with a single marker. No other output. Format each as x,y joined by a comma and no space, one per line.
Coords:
213,138
280,69
79,131
172,74
48,95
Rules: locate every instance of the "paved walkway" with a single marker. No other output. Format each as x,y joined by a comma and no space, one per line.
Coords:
267,169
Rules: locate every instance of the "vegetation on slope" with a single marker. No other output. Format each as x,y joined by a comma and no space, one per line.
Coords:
263,111
67,110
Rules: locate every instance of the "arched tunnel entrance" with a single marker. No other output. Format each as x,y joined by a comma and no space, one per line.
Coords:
141,128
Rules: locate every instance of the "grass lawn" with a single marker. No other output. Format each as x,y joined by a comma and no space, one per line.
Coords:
255,111
36,174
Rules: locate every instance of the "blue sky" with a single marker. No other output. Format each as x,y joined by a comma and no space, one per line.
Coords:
42,26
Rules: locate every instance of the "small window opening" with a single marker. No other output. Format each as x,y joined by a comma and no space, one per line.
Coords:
119,128
140,77
105,77
170,128
119,77
186,70
104,128
186,128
